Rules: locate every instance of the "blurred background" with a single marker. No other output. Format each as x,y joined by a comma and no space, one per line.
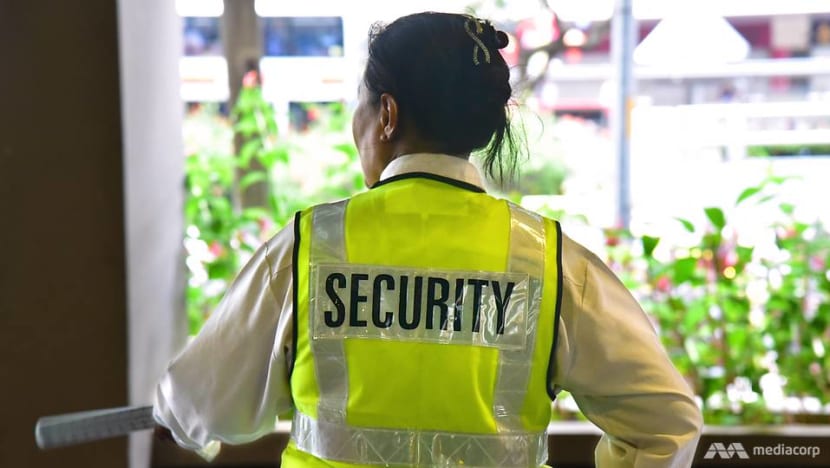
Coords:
686,143
724,237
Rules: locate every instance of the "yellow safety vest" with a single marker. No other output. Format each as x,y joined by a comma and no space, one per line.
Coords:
425,319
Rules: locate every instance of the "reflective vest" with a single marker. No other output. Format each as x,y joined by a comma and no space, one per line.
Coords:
424,328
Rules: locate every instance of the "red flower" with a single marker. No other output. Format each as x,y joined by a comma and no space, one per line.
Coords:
216,249
251,79
786,232
663,284
727,258
817,264
266,225
612,237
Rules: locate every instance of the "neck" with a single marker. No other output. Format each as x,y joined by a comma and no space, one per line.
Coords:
402,148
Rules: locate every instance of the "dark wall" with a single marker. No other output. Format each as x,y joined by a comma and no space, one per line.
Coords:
62,280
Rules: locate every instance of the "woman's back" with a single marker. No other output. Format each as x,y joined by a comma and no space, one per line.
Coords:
432,336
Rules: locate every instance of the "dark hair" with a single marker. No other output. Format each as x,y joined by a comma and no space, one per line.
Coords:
454,92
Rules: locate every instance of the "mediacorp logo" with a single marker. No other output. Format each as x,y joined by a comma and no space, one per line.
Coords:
717,449
737,450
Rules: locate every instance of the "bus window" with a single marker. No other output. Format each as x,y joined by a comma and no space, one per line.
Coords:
310,36
201,36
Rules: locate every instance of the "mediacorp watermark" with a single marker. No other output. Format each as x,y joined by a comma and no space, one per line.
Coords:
736,450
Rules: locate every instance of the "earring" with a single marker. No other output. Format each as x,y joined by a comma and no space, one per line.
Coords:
384,138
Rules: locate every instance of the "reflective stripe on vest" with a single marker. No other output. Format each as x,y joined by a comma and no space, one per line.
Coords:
328,245
527,242
329,437
373,446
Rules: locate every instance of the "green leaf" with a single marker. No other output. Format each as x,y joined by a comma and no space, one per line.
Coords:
800,227
664,313
358,182
787,208
247,126
693,316
778,180
221,207
273,156
765,199
686,224
649,243
736,310
747,193
252,178
683,270
716,216
349,149
712,241
248,151
737,339
744,253
777,303
677,304
220,270
255,213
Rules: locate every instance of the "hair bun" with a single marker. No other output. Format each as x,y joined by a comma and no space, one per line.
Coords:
492,37
501,39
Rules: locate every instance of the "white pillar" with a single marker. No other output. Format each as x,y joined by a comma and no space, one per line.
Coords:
623,40
150,42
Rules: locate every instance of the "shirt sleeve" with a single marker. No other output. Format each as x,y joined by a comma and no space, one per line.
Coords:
611,360
230,383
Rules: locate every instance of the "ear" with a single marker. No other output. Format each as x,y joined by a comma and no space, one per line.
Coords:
389,123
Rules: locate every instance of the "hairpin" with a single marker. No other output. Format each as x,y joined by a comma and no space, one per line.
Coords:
479,44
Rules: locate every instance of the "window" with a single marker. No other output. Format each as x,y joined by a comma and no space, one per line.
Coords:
201,36
314,36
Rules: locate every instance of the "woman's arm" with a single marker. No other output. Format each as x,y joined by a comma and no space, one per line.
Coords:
611,360
230,383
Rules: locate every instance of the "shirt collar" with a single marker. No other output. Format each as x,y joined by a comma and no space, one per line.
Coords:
443,165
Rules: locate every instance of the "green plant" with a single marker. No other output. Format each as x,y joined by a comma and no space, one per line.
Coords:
223,228
742,326
797,311
788,150
699,300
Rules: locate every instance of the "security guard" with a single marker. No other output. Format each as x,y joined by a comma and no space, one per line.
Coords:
424,322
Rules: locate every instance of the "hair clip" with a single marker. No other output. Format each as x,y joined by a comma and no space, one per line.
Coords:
479,44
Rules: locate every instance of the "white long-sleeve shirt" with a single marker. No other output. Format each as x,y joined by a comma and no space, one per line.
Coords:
230,383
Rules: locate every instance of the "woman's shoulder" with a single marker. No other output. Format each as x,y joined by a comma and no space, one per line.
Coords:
278,249
578,260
